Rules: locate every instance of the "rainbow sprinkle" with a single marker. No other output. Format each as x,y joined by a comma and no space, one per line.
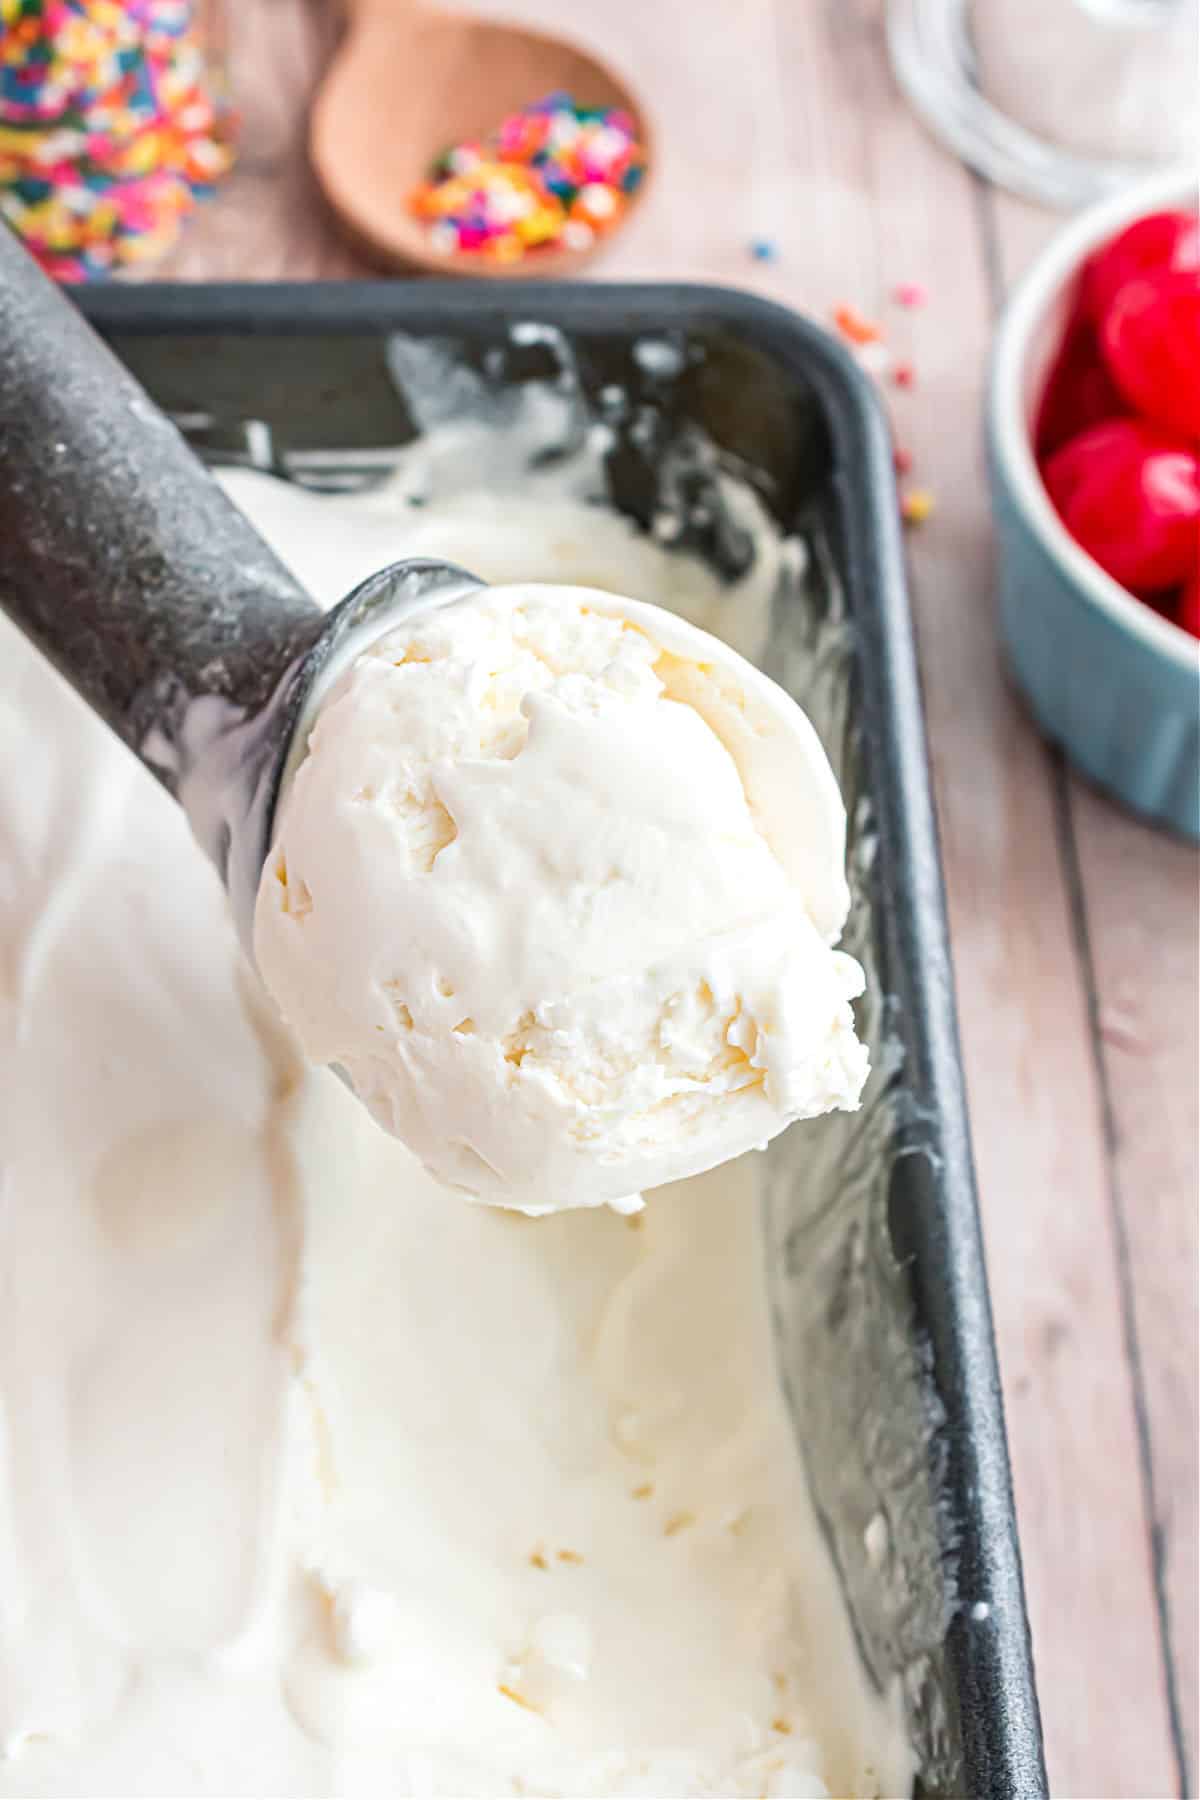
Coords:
109,130
917,506
854,327
552,176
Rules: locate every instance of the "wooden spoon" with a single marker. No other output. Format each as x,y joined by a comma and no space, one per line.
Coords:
408,81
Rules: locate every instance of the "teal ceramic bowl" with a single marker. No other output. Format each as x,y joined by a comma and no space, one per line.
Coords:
1109,679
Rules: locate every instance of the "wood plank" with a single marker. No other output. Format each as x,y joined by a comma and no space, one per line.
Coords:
1139,923
1035,1100
1140,911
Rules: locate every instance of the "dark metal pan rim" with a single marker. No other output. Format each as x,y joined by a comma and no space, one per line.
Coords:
992,1664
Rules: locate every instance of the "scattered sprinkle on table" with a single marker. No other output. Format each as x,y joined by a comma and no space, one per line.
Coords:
854,327
764,249
868,344
916,506
553,176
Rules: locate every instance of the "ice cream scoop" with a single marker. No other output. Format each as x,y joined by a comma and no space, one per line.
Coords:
554,878
558,883
123,561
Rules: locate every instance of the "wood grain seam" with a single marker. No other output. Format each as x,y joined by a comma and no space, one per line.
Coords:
1077,914
1157,1529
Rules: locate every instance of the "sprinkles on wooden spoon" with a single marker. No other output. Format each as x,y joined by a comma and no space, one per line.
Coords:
553,176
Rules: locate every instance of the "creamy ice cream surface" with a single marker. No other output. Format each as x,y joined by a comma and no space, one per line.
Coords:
313,1480
556,885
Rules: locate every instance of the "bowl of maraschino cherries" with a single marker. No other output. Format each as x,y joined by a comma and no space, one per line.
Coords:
1094,440
1117,433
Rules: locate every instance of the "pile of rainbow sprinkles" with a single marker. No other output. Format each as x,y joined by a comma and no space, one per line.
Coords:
551,176
109,130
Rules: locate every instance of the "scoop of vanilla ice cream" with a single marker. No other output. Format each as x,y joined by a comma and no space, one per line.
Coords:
555,885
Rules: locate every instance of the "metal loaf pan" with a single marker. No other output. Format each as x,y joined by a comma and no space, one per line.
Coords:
876,1272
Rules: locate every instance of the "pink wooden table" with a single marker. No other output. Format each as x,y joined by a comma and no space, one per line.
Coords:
1074,928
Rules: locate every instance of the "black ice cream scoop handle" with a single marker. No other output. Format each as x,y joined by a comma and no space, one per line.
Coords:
124,562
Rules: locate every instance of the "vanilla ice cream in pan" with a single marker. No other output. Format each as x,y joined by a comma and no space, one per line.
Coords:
321,1479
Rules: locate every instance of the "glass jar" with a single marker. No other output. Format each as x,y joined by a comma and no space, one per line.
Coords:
1062,100
113,122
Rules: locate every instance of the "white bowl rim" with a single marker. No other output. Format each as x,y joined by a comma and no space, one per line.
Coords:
1034,292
